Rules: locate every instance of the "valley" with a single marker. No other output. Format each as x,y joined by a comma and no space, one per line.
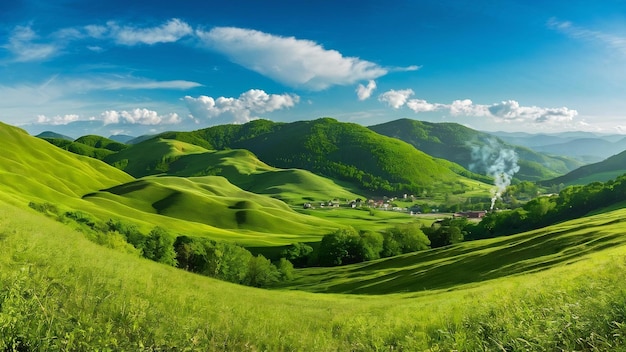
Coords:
353,248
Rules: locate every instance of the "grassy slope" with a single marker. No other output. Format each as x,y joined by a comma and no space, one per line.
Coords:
334,149
240,167
214,201
32,169
602,171
61,292
453,142
471,262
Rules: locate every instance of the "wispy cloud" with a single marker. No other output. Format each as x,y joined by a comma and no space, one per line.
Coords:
241,109
611,40
288,60
364,92
24,44
509,110
171,31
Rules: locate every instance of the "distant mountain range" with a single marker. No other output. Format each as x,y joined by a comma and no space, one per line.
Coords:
602,171
585,146
458,144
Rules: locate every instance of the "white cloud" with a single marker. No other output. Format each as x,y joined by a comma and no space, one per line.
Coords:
364,92
57,120
171,31
138,116
396,98
241,109
468,108
22,44
419,105
509,110
293,62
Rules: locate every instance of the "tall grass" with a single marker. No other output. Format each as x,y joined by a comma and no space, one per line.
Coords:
59,291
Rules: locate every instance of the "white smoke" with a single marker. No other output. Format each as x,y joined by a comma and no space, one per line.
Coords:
496,161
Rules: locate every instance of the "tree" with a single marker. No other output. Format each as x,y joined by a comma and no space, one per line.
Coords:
261,272
371,245
404,239
159,246
298,254
285,268
340,247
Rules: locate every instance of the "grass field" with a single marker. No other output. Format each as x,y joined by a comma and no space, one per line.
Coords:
471,262
61,292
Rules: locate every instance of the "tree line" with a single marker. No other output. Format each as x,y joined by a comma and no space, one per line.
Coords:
225,261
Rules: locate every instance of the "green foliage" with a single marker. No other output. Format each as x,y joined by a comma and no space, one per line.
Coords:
404,239
603,171
61,292
446,232
298,253
92,146
261,272
344,151
159,246
571,203
229,262
339,248
454,142
371,245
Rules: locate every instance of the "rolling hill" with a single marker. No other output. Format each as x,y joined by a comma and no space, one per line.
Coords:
92,146
240,167
214,201
455,142
343,151
33,169
601,171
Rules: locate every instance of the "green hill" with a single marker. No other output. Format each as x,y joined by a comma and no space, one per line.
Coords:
599,172
343,151
454,142
240,167
214,201
33,169
92,146
50,134
59,291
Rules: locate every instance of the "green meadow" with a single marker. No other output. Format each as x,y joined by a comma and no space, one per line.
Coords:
558,288
59,291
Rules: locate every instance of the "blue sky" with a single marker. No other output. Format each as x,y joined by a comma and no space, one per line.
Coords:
139,67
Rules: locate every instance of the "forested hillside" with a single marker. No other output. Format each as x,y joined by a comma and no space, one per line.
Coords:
458,144
344,151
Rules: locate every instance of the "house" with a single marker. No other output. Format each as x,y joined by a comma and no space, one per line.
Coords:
471,214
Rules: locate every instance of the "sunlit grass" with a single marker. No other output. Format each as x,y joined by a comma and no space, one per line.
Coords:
60,292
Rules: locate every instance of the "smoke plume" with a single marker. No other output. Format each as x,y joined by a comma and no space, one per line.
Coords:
496,161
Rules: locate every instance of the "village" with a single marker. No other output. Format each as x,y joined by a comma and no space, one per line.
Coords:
389,204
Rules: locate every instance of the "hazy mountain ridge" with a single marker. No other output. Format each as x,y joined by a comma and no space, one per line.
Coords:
602,171
585,146
457,143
